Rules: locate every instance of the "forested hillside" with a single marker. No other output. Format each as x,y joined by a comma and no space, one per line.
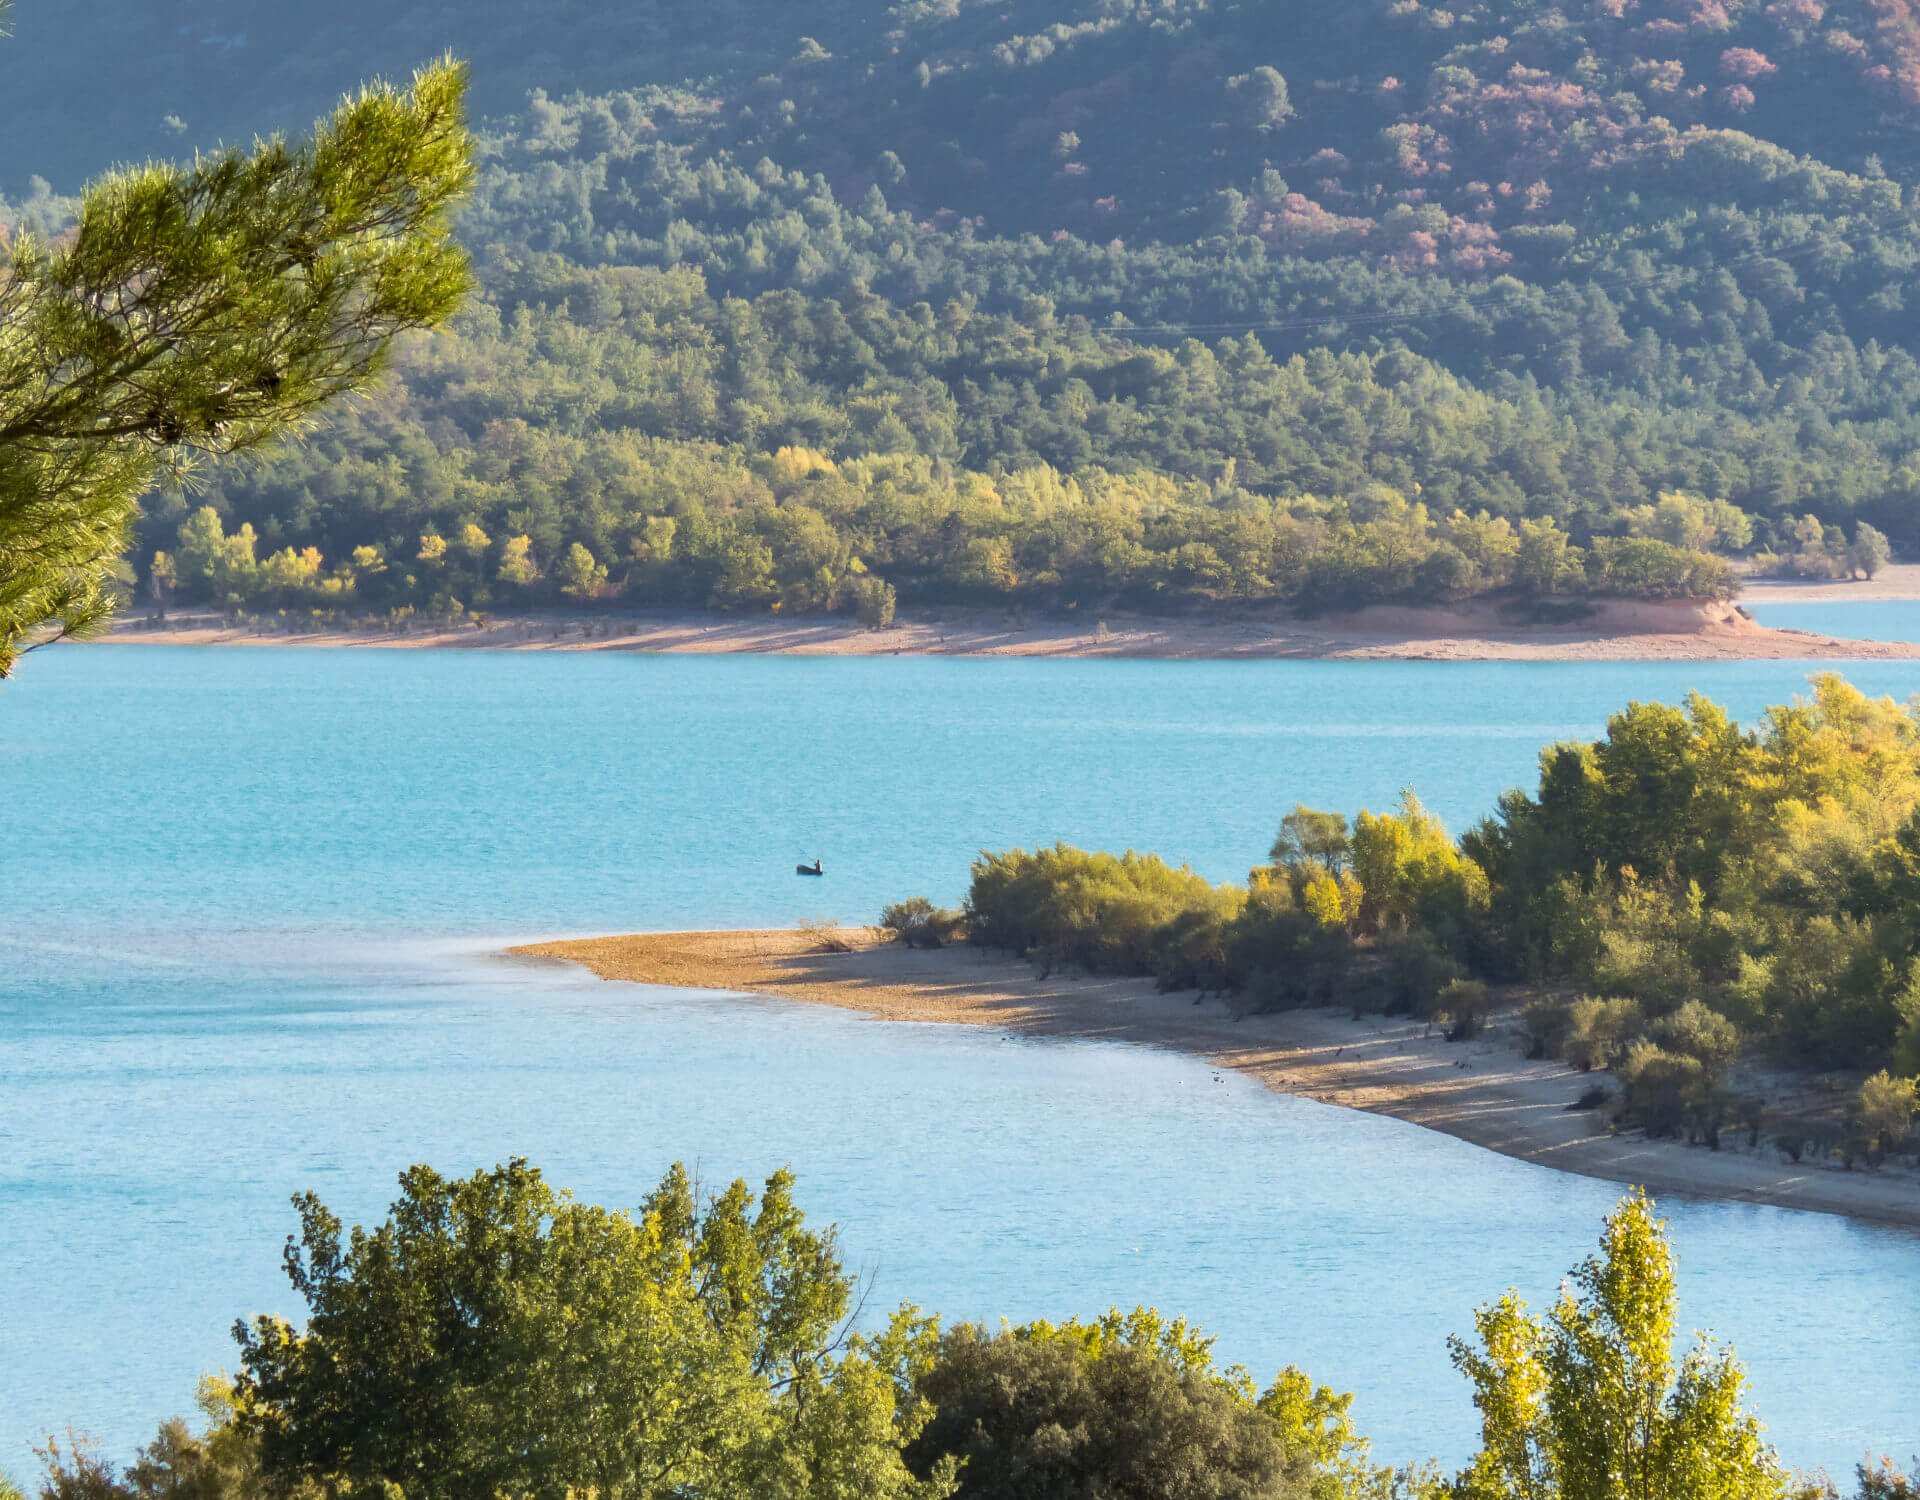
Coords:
1084,301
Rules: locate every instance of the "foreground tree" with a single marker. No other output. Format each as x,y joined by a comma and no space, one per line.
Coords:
1587,1404
1132,1406
494,1337
206,310
1051,1418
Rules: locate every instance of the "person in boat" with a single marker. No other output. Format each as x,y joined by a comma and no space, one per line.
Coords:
812,869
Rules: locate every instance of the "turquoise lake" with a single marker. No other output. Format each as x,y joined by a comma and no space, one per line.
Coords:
1861,620
254,898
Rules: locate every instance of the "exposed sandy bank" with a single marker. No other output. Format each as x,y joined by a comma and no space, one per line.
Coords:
1898,581
1480,1092
1617,630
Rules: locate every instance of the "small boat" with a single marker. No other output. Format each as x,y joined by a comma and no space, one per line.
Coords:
812,869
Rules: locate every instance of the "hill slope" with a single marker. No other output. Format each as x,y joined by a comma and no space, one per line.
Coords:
1546,261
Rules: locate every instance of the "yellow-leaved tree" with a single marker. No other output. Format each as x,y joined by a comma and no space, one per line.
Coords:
1588,1403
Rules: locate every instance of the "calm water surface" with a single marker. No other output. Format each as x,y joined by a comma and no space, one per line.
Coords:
1862,620
254,894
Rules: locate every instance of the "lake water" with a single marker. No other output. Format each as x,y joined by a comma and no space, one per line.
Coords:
253,894
1852,620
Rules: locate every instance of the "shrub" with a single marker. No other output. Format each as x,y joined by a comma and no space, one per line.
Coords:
825,935
1661,1091
1416,974
873,601
1547,1023
1598,1032
1039,1412
918,923
1463,1005
1280,957
1648,967
1887,1106
1190,947
1116,915
1699,1032
1882,1481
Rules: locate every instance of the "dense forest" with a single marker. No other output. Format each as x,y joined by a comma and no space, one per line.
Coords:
1673,896
1152,302
496,1337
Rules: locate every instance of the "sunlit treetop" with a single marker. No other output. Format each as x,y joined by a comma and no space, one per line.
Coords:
206,309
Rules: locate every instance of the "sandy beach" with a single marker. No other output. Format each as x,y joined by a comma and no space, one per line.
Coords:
1482,1092
1896,581
1616,630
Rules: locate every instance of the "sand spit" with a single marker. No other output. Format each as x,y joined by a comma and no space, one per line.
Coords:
1482,1092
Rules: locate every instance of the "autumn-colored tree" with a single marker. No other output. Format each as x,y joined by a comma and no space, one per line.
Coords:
1589,1404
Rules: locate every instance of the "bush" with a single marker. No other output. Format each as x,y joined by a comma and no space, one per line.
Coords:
1547,1023
1598,1032
1280,957
825,934
1463,1006
1190,948
1417,973
918,923
873,601
1882,1481
1118,915
1038,1413
1701,1033
1886,1107
1651,968
1663,1092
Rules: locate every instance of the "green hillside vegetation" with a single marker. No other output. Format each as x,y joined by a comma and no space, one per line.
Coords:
496,1337
623,435
1687,891
1548,262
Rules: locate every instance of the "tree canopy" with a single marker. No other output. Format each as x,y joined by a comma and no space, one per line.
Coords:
202,310
495,1337
1688,890
1588,1404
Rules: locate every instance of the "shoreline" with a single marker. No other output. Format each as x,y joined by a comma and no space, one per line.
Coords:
1617,630
1480,1092
1897,582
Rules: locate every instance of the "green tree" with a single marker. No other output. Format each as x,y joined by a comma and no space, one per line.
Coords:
1547,562
1308,837
495,1337
206,310
517,566
1123,1410
1317,1421
1260,98
1410,869
222,1463
1587,1404
583,577
1869,551
1887,1106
